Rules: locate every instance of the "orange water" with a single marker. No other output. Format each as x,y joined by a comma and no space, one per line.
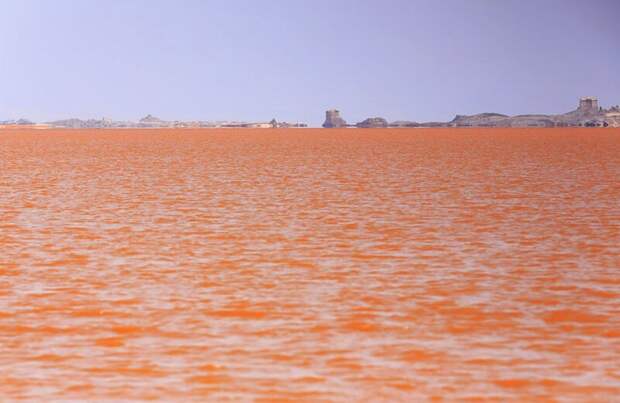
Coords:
313,265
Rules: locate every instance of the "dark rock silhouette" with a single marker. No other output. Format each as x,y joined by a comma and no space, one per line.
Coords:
373,123
588,105
333,119
150,119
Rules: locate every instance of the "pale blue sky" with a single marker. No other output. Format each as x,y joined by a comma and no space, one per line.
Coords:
292,59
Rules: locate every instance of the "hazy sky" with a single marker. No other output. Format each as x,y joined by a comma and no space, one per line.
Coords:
292,59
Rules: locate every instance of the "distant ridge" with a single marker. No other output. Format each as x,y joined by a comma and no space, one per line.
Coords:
150,121
588,114
19,122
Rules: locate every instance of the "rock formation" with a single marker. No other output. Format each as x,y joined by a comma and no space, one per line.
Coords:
285,125
333,119
150,119
588,114
404,123
19,122
373,123
588,105
612,116
70,123
90,124
530,121
481,119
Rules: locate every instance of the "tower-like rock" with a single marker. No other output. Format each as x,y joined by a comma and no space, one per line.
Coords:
333,119
588,105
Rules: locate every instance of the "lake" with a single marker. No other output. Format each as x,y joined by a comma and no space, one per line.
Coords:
310,265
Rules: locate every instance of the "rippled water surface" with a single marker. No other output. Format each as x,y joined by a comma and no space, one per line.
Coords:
318,265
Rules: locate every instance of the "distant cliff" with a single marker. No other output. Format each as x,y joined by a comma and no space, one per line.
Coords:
587,114
482,119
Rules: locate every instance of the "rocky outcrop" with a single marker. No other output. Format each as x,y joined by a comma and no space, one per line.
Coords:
404,123
90,124
373,123
434,124
587,114
479,120
19,122
613,120
69,123
149,119
530,121
286,125
333,119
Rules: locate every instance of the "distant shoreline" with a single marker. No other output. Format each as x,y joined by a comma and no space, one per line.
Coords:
587,114
25,128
